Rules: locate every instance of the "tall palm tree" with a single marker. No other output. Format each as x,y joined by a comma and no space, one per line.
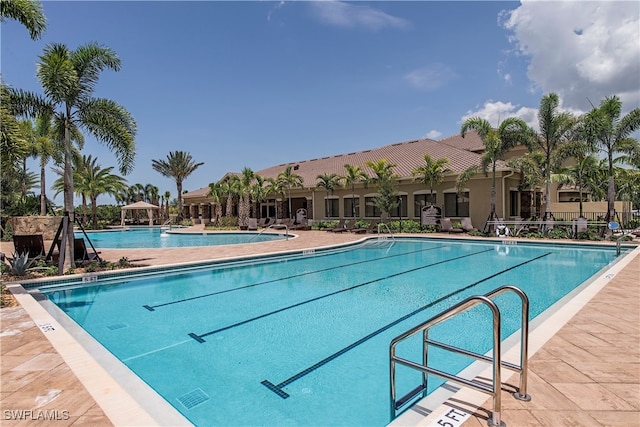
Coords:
167,197
28,13
179,165
91,181
531,175
45,148
556,129
288,180
497,142
353,175
605,129
244,188
431,172
216,193
69,78
275,186
384,179
582,175
259,192
13,143
329,182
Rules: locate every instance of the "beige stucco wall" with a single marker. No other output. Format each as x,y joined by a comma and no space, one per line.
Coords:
28,225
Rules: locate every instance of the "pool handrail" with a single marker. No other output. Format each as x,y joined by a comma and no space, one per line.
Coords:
286,232
496,360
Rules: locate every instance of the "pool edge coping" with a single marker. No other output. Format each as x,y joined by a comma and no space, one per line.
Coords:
553,319
112,397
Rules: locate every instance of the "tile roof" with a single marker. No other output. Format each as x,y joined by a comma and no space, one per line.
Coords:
405,155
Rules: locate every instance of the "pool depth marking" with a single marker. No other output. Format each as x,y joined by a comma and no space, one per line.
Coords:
277,388
199,337
153,307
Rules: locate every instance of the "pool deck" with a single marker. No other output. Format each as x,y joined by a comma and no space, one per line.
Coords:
587,372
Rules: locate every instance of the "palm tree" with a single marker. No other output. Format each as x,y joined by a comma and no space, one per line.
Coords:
44,148
69,78
611,134
329,182
497,142
179,165
244,189
431,173
556,129
167,197
582,175
217,195
288,179
531,174
275,186
353,175
384,178
27,12
91,181
259,192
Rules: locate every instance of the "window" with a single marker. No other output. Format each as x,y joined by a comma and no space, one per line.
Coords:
456,205
422,200
268,209
401,209
334,208
513,203
349,204
371,210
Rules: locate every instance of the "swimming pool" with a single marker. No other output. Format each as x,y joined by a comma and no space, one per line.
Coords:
156,237
304,339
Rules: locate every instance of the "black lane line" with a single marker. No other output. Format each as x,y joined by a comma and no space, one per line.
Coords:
277,388
153,307
198,337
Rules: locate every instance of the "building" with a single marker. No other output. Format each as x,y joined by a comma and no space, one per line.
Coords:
472,201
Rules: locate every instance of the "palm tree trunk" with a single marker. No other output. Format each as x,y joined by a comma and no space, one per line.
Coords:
179,186
43,195
68,191
94,212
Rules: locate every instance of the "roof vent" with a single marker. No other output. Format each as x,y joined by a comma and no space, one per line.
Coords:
296,167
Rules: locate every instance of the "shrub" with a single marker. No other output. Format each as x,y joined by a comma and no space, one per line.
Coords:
557,233
21,263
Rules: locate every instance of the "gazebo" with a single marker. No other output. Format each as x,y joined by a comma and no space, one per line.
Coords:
138,205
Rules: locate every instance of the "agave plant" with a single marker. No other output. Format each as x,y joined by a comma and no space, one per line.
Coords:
21,263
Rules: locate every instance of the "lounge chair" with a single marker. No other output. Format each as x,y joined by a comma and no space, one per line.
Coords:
348,226
32,244
302,225
80,252
264,222
252,224
467,225
445,225
371,228
337,227
283,224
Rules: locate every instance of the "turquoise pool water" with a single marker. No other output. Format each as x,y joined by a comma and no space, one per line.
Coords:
303,339
155,237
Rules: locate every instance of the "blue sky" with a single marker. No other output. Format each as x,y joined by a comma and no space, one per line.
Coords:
256,84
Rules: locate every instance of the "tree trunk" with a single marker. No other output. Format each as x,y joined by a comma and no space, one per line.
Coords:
43,195
94,212
68,192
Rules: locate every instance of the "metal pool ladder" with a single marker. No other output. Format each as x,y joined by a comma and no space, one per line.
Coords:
495,389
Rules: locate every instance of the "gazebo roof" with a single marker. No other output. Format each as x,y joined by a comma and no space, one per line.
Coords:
140,205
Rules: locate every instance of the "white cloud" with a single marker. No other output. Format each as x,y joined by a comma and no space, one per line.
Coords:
430,77
497,112
349,15
582,50
433,134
